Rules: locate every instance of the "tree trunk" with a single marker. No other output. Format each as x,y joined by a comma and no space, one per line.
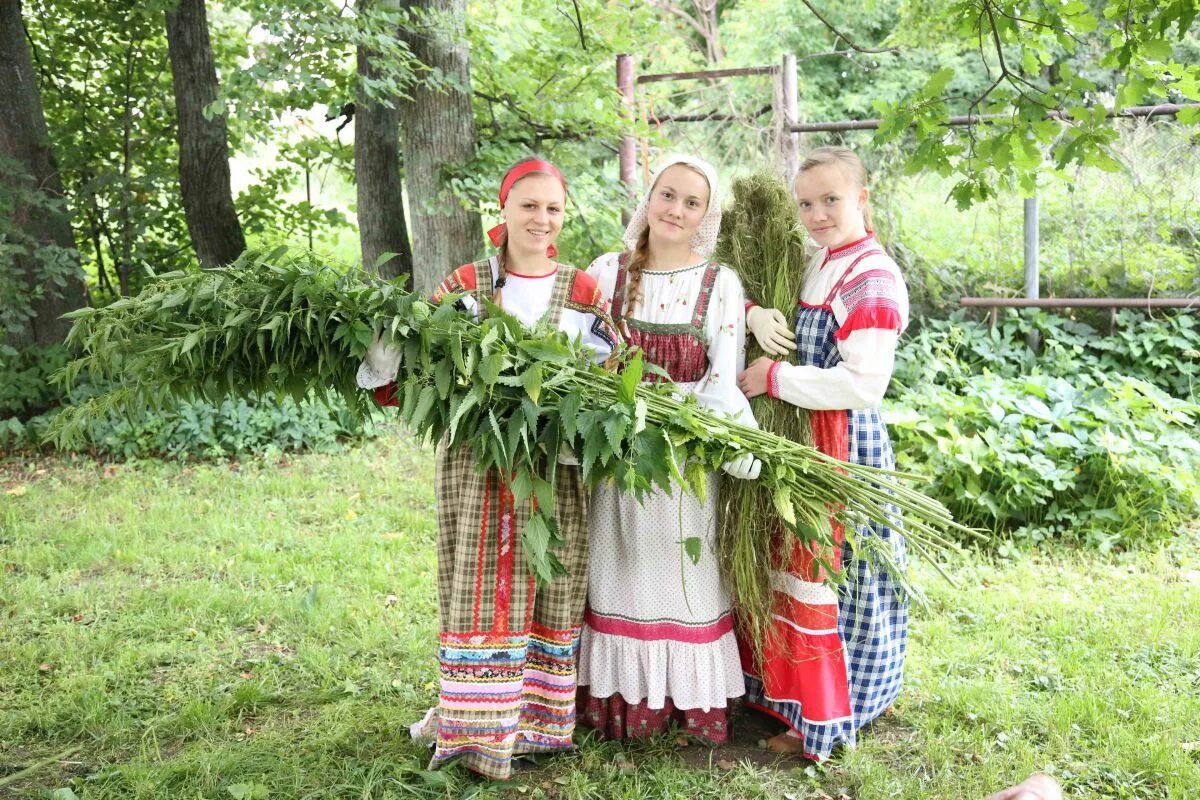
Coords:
50,274
439,129
203,143
382,227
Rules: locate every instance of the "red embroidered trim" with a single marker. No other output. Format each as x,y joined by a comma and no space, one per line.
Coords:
504,558
845,248
513,274
773,380
652,631
585,290
461,280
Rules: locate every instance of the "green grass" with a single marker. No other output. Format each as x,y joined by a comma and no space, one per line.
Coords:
213,631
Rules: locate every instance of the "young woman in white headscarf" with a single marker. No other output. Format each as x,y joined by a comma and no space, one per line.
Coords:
658,642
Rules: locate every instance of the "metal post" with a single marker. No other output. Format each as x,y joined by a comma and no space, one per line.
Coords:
789,142
628,152
1031,259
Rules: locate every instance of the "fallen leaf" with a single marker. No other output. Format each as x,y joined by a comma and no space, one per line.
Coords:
391,600
726,764
351,515
245,675
17,491
682,741
43,668
391,535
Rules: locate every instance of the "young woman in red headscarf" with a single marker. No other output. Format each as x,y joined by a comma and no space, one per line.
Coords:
507,647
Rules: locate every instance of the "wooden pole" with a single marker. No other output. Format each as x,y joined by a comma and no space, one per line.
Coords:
628,151
790,141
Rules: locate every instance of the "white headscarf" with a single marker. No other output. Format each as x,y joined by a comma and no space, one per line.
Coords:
705,239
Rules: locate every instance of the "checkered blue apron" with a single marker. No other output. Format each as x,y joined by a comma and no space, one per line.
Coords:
872,609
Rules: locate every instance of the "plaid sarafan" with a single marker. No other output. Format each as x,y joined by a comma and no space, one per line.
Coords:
507,647
872,610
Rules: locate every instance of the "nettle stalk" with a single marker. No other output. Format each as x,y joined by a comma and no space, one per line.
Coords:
285,322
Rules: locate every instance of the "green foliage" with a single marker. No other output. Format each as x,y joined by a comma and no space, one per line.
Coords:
285,324
175,599
1042,458
52,264
1080,442
1163,351
204,430
1036,59
110,110
1101,235
25,385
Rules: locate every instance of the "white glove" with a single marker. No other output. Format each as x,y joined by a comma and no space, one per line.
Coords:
382,359
770,328
744,468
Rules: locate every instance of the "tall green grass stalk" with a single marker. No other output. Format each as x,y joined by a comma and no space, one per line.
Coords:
762,240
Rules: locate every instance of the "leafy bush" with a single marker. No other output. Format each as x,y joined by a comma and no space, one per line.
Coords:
1163,351
205,430
195,429
1083,440
1041,457
25,386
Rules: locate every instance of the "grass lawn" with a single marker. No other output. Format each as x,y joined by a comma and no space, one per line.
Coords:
267,631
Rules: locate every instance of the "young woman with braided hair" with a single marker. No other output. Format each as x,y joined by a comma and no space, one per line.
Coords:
507,647
658,642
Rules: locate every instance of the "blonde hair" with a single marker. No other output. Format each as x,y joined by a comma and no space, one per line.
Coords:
844,159
636,265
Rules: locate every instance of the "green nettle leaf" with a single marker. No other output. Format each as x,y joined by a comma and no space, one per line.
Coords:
691,546
423,406
539,534
568,412
521,485
615,425
543,490
630,378
490,368
531,379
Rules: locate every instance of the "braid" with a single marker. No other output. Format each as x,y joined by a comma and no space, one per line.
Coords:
502,278
636,268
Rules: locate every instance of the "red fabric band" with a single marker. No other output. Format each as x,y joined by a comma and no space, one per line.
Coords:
497,234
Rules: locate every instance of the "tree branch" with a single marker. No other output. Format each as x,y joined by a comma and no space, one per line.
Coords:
577,23
843,36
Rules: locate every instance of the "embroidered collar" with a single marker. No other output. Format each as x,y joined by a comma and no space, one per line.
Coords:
676,270
853,248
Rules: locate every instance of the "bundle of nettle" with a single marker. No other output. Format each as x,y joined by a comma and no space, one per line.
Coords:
762,240
284,322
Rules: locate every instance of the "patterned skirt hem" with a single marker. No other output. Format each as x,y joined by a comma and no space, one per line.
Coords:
476,759
820,740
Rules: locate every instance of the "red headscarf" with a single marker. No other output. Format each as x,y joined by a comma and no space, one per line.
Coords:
498,233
